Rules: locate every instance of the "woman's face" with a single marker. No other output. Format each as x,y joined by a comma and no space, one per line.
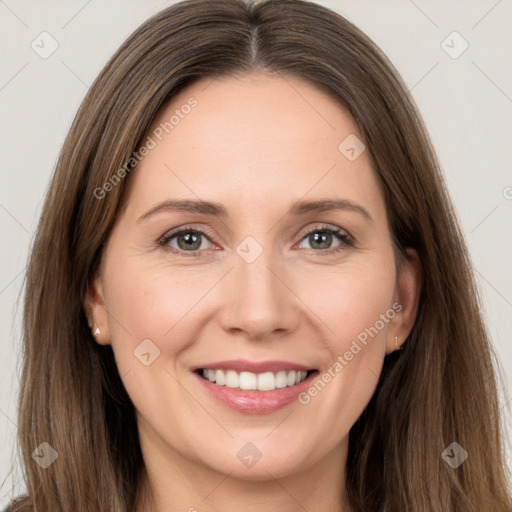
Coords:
285,266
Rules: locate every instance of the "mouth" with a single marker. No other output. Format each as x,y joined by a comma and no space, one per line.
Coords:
251,381
254,387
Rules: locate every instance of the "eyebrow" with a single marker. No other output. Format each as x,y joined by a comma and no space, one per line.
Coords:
218,210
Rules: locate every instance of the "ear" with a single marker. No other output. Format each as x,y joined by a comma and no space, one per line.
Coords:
94,305
407,294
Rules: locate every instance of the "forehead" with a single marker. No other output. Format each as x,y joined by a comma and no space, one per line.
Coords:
261,137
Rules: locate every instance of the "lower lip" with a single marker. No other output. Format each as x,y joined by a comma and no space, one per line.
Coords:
256,402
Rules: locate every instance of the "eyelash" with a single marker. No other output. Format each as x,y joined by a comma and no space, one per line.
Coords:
345,239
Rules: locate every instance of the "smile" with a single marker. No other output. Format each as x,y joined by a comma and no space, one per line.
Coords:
252,387
267,381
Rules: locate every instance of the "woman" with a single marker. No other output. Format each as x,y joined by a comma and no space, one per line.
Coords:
249,288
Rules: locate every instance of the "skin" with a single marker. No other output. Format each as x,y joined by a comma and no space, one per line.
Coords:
256,144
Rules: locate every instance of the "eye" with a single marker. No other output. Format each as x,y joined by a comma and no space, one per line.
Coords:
322,238
185,240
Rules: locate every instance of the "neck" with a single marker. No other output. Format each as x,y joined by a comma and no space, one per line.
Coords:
174,482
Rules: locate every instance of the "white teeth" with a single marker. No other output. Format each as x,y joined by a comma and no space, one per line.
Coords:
248,380
280,379
267,381
231,379
220,377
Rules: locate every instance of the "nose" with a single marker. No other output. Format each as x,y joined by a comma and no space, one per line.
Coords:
259,299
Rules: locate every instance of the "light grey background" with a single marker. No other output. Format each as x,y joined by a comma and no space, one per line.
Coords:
466,103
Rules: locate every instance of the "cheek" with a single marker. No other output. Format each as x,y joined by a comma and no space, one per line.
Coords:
152,324
355,306
149,303
351,298
157,302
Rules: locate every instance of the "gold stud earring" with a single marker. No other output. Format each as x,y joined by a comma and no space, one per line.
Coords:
398,347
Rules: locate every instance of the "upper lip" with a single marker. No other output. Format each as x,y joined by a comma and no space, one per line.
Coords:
243,365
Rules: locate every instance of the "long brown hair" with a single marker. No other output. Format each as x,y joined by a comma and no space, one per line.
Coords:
441,388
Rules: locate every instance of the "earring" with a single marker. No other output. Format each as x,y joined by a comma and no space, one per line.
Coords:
398,347
96,332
